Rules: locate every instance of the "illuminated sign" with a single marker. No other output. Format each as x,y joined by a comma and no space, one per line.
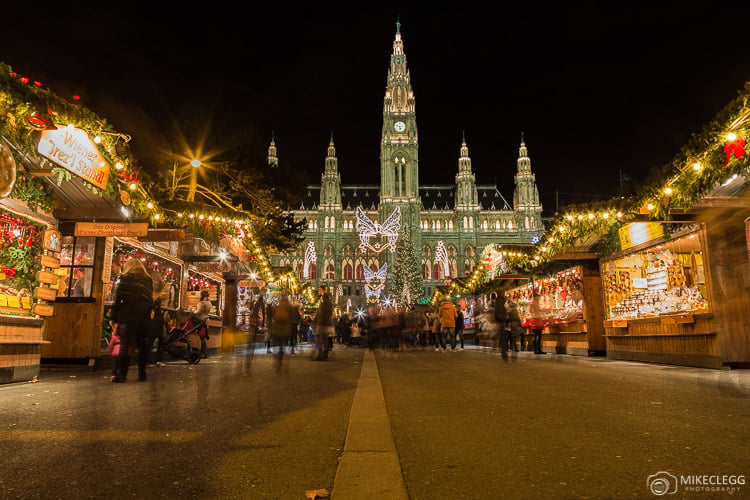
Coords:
493,259
111,229
639,232
71,148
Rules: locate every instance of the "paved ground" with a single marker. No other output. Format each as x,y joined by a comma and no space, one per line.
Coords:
460,425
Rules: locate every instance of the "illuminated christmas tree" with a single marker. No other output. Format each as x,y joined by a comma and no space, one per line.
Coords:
406,284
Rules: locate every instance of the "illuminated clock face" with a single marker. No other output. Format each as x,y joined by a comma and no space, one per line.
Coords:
399,126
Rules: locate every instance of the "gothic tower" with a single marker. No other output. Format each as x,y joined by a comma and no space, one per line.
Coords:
399,155
273,160
526,196
467,197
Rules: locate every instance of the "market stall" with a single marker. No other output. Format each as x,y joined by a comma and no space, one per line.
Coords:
21,319
571,307
658,296
214,283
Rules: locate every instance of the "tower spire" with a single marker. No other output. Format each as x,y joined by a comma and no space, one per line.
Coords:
273,160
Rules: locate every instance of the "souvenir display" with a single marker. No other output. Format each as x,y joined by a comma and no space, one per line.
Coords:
664,279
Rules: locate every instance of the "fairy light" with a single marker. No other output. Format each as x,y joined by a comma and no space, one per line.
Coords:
133,186
157,216
731,136
149,205
605,215
697,166
668,191
650,207
119,166
97,139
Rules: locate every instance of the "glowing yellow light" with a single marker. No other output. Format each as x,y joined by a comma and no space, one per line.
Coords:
179,214
133,186
731,136
650,207
591,216
570,217
195,163
119,166
668,191
150,205
697,166
544,249
210,217
619,215
605,215
551,239
201,217
157,216
191,215
580,217
98,139
561,228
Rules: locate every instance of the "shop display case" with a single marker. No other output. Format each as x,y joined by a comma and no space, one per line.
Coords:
658,304
665,279
571,307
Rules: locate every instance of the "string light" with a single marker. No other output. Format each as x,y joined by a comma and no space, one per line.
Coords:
697,166
668,191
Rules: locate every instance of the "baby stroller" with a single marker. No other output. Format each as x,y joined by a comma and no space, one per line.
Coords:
178,344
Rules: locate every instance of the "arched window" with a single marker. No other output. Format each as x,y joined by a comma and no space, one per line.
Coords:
471,222
425,271
437,225
468,267
326,223
333,223
484,225
466,223
330,272
436,271
299,272
348,272
313,270
510,225
360,272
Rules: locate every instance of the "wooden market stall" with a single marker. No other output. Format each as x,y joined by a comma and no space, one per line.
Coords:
571,303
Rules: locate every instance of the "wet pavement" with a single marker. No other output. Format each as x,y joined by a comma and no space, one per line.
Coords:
460,425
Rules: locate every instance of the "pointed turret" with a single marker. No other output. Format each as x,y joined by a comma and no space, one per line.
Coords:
466,187
526,195
330,189
273,160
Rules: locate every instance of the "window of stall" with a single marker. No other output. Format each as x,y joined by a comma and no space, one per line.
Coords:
198,282
165,272
666,278
76,266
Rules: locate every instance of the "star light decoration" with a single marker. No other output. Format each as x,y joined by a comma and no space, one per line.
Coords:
367,229
375,282
310,256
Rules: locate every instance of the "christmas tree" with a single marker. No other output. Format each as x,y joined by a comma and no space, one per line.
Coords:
406,284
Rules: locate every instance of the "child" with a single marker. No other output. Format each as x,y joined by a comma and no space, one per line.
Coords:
113,349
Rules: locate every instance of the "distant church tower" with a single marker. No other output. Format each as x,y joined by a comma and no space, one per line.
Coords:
273,160
526,196
399,146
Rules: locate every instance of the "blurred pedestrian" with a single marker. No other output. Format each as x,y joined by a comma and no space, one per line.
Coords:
514,324
501,320
199,316
460,328
132,308
537,323
280,328
323,324
294,321
447,314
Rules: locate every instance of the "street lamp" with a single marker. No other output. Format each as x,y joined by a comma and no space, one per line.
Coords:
193,179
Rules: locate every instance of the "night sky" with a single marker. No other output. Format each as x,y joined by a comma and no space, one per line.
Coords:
596,90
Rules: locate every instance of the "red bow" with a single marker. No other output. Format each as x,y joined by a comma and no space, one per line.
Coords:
9,271
735,148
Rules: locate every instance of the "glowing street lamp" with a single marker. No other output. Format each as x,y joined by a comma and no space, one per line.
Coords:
193,179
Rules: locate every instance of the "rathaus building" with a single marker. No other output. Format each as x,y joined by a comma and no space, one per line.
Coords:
459,218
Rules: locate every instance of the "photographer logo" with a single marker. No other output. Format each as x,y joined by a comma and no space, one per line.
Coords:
662,483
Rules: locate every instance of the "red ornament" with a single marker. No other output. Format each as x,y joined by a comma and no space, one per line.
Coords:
24,79
76,98
736,148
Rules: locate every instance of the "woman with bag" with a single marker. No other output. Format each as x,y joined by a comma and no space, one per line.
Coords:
132,314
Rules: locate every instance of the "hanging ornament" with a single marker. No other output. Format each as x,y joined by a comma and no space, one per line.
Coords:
736,148
38,121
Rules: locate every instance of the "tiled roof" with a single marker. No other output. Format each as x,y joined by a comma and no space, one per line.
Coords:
433,197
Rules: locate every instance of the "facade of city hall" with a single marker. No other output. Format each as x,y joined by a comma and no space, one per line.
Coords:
462,218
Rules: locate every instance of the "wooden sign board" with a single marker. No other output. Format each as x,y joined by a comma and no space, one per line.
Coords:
50,261
47,278
52,240
616,323
133,229
43,309
45,293
72,148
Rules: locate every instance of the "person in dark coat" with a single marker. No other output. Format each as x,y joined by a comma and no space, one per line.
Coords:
133,307
501,318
